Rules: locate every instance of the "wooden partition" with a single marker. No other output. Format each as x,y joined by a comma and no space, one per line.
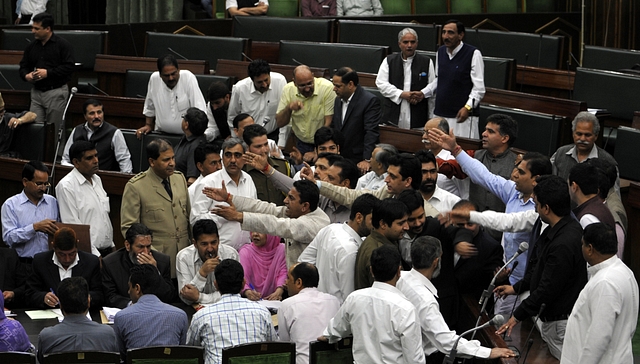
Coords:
112,70
410,141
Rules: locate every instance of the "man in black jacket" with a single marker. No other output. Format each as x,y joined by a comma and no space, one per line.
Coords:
137,250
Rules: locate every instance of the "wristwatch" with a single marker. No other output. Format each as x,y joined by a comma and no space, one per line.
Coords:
467,107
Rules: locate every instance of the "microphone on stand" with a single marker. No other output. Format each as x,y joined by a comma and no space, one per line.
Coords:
177,54
521,249
7,81
247,57
74,90
529,339
497,320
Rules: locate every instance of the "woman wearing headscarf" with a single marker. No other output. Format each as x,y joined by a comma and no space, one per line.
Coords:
265,267
12,334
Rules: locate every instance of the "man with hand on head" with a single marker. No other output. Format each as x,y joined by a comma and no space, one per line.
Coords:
196,264
137,250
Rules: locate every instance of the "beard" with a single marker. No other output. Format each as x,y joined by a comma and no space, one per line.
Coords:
428,186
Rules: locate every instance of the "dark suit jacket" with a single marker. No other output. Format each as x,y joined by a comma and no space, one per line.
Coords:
45,277
360,125
115,278
474,274
12,277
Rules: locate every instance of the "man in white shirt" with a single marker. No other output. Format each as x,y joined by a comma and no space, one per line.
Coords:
245,8
236,182
437,338
604,317
335,247
400,78
440,199
170,93
196,263
374,179
384,324
83,200
258,95
304,315
459,81
208,160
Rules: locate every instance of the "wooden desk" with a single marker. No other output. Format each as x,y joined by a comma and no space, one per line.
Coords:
112,70
410,141
121,112
10,57
238,69
546,81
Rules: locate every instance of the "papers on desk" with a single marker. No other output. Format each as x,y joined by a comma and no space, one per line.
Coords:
273,306
8,313
48,314
108,314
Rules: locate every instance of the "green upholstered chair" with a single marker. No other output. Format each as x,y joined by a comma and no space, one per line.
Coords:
269,352
502,6
88,357
431,6
166,355
466,6
283,8
392,7
325,353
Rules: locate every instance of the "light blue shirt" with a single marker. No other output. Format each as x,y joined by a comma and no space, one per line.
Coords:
18,216
505,190
134,330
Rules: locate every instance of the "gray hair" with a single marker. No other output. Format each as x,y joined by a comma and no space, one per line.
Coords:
406,31
386,151
443,125
232,142
424,250
588,117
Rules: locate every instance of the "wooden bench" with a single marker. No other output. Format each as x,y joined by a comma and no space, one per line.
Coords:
410,141
112,70
566,108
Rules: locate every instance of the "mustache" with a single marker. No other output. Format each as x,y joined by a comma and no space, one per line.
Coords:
582,142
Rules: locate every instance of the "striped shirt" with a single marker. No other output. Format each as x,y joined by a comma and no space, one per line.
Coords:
231,321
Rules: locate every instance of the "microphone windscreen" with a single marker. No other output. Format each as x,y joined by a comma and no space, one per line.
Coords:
74,90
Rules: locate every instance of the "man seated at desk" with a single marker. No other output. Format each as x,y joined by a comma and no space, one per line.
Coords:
8,123
137,250
246,7
64,261
76,332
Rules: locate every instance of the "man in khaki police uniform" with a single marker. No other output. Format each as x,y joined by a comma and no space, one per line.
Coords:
158,198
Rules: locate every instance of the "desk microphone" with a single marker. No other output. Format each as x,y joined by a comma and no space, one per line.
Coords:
529,339
521,249
497,320
247,57
297,62
98,89
28,40
74,90
177,54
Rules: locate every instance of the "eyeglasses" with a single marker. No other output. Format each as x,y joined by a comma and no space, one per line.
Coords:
41,184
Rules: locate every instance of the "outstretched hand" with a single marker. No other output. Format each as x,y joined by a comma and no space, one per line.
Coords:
448,141
218,194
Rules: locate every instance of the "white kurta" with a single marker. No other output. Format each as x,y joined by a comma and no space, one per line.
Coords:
604,317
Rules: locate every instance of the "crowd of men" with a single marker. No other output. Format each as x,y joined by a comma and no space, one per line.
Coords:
379,245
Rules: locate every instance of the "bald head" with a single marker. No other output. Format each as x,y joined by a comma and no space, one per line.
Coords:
304,80
435,123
